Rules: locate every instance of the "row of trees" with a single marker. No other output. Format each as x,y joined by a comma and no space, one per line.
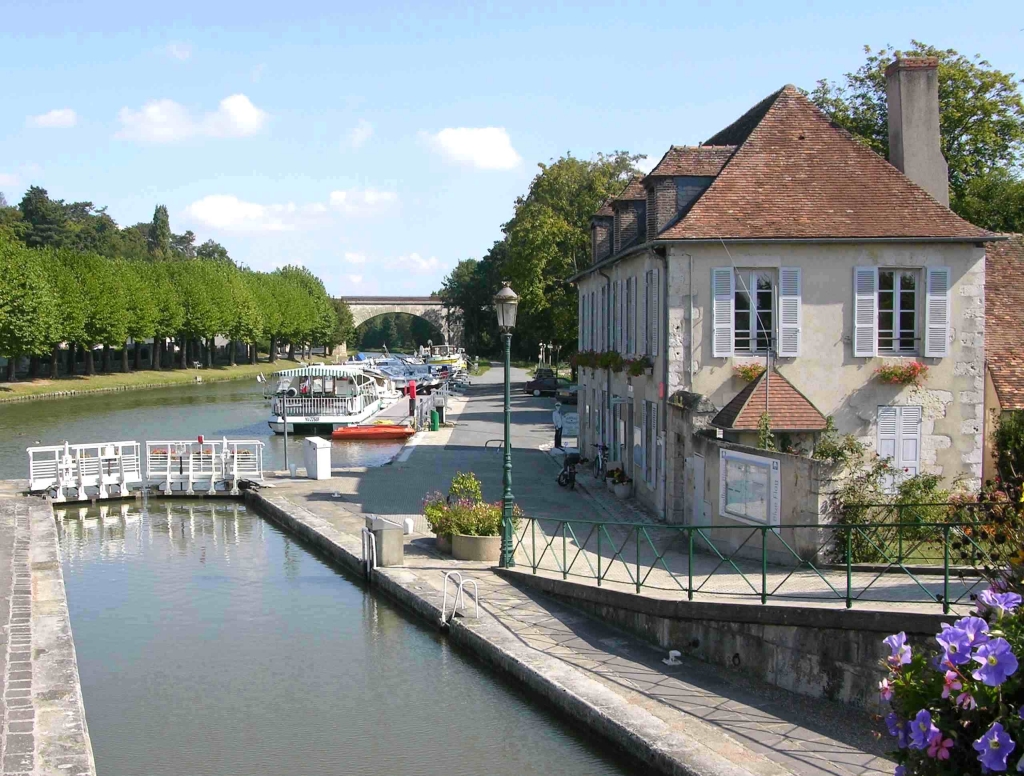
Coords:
399,332
65,288
548,237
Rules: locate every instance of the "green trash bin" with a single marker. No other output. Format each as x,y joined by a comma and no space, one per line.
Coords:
435,420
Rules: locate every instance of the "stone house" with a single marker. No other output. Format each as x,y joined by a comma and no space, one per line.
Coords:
1004,328
783,240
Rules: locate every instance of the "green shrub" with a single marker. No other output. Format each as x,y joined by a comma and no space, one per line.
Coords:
465,486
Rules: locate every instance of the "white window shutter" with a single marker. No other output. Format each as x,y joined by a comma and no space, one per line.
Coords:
910,440
790,313
645,344
655,298
643,440
888,431
865,311
723,290
936,313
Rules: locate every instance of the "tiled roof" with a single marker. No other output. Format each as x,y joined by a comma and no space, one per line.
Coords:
796,175
1004,320
789,409
634,190
693,160
605,209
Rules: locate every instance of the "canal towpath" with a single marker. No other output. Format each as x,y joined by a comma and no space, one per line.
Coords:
692,718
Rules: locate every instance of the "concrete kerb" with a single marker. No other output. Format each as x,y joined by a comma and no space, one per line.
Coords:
62,744
636,731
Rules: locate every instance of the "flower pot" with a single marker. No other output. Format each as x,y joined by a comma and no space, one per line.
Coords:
443,543
623,489
649,371
481,548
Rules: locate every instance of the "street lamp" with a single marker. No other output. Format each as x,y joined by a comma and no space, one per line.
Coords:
551,350
505,302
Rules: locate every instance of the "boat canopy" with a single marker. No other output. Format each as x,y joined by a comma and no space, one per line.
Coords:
322,370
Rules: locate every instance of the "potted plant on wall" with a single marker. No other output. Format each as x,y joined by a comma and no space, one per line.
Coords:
903,373
464,524
622,484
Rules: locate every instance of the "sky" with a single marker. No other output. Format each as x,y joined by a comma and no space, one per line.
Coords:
378,144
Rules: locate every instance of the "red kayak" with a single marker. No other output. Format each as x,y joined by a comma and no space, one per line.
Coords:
373,432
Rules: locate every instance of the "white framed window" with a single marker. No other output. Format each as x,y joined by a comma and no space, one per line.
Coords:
602,337
897,311
887,311
616,318
756,309
750,488
651,299
629,315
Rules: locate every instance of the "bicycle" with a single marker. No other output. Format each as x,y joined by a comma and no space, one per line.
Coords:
567,477
599,462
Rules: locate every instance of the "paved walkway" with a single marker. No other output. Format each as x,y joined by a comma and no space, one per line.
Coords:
714,715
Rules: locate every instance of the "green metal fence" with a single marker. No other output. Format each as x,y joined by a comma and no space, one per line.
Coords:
908,561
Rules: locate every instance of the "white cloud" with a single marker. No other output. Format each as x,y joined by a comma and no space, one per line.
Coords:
8,179
355,279
647,164
359,134
59,118
355,258
486,148
179,51
361,202
165,121
414,263
228,213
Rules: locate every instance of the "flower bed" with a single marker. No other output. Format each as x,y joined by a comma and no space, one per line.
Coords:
957,709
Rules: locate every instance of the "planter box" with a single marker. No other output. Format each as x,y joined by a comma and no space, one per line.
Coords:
623,490
443,544
481,548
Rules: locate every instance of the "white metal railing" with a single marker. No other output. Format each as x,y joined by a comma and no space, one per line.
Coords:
300,407
460,583
191,465
78,472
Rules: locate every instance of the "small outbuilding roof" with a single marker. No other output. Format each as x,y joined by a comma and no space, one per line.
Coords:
1004,320
789,409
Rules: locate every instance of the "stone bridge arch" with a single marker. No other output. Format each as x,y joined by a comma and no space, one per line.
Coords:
429,308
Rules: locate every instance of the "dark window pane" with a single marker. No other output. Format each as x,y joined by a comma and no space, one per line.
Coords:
908,281
907,322
885,344
885,301
907,300
885,280
885,321
742,301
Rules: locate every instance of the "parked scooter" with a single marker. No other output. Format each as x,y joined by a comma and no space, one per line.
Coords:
567,477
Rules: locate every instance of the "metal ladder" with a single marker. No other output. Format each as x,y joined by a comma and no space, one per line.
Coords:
369,552
460,583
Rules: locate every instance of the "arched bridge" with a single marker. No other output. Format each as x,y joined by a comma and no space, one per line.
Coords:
429,308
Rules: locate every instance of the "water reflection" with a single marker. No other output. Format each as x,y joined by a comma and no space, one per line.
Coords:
210,643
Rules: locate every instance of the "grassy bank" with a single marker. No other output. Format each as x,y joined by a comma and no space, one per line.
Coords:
119,381
482,367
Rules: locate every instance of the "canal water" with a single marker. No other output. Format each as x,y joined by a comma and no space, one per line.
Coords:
209,642
235,409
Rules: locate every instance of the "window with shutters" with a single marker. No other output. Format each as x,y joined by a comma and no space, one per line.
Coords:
899,439
754,311
651,299
650,441
897,311
629,315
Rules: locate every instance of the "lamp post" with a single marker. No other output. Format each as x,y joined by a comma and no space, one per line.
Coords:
505,302
551,351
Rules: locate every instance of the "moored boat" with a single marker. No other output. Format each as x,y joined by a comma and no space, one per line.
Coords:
326,396
385,431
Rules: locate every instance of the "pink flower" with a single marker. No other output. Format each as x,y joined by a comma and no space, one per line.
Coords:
952,683
966,701
938,747
885,690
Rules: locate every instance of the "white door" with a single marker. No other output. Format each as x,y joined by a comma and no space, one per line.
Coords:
899,437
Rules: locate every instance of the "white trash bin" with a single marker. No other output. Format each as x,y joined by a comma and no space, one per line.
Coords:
316,453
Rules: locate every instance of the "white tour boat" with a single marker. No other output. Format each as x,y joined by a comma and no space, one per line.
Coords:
328,396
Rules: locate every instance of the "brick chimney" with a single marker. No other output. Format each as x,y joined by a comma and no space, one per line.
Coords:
912,92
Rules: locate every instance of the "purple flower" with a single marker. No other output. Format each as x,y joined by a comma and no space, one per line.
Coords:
994,747
1003,603
900,771
922,730
997,662
897,644
975,628
957,646
897,729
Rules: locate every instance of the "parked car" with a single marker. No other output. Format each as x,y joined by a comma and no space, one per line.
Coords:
567,394
545,386
544,371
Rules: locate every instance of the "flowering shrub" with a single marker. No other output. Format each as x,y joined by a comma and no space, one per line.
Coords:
637,366
619,477
748,372
908,373
610,359
584,358
958,710
463,510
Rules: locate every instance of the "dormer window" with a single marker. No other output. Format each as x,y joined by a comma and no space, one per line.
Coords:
688,188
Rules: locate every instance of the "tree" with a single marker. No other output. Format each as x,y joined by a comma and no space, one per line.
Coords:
170,314
344,332
183,246
141,307
995,201
548,240
981,112
159,237
27,304
106,318
71,309
45,218
245,320
213,251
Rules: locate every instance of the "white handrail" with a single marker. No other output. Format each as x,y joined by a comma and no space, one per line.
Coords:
369,551
458,597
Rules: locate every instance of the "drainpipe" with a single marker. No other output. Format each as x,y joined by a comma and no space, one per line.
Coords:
607,340
661,252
